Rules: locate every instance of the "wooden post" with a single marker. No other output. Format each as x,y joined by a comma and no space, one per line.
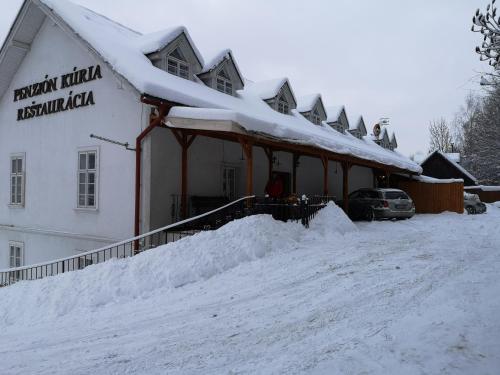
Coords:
248,151
345,186
324,161
184,141
295,161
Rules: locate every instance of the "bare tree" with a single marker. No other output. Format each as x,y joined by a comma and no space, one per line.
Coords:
481,137
440,136
489,26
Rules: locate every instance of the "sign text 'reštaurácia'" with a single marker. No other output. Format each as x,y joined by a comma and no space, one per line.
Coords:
49,85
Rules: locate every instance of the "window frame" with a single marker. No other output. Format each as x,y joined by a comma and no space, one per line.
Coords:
225,82
22,174
16,245
178,63
96,171
284,102
315,117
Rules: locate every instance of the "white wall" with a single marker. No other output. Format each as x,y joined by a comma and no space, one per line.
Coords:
51,144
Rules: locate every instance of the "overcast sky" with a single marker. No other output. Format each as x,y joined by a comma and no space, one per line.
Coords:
411,61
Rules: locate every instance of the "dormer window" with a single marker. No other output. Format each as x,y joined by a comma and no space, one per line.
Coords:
177,65
316,118
283,106
223,83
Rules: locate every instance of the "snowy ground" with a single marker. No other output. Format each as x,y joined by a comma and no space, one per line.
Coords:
414,297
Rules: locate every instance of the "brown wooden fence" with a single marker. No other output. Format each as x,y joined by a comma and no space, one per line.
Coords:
433,198
487,196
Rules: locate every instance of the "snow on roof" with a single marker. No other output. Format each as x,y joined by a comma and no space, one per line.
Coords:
354,121
454,156
333,113
154,42
123,50
306,103
266,89
450,160
215,60
483,188
297,130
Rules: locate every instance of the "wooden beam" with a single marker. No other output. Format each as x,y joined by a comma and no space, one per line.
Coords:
248,151
295,162
279,145
185,141
345,186
324,161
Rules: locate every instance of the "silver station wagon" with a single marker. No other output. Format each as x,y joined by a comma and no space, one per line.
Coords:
371,204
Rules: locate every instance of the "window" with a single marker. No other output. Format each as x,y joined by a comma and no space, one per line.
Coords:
224,85
283,106
17,180
229,182
176,64
87,178
395,195
16,254
316,119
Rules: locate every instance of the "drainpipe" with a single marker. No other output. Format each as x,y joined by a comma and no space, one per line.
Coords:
163,109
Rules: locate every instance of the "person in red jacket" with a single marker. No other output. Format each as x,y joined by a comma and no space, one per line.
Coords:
274,187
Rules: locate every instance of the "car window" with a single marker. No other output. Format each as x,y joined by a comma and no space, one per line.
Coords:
395,195
355,195
372,194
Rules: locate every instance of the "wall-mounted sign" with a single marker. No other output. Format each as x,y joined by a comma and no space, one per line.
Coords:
49,85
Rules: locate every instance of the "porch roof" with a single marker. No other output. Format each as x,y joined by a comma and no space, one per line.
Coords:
314,140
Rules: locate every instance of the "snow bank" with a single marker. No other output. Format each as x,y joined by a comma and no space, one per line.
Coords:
331,222
186,261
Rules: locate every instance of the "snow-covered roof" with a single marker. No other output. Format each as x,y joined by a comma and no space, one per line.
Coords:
354,120
124,51
450,160
215,60
307,102
483,188
333,113
454,156
154,42
267,89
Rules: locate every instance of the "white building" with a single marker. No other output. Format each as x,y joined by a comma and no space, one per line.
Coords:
67,73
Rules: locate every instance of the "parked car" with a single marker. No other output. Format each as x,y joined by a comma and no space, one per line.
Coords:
371,204
473,204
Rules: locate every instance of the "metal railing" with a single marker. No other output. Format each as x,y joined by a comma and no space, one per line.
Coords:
302,210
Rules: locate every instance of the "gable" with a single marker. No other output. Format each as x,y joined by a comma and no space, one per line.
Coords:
286,93
225,68
181,49
18,42
362,127
438,166
343,120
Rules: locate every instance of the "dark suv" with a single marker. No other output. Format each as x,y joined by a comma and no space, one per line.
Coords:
370,204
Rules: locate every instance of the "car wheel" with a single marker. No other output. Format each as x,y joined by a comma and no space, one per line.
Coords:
370,214
470,210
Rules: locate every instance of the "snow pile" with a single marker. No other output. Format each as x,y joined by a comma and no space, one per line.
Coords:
331,222
496,204
418,296
191,259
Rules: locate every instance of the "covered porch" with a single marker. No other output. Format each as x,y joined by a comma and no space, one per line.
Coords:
194,165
